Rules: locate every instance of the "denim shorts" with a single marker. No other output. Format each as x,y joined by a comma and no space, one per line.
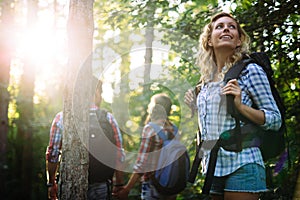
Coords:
248,178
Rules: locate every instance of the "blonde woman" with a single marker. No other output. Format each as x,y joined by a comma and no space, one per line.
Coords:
238,175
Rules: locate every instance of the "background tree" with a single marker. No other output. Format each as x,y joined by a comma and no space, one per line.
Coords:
25,108
6,48
74,166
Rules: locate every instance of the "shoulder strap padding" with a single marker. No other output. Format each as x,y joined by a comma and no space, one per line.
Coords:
101,113
233,73
262,59
236,69
158,131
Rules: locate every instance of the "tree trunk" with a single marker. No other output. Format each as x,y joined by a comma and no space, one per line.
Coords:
74,166
25,129
149,52
122,99
25,105
149,37
6,47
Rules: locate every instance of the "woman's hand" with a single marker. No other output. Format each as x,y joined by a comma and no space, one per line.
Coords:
190,100
254,115
232,88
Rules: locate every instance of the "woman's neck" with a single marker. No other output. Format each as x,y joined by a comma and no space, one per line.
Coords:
222,56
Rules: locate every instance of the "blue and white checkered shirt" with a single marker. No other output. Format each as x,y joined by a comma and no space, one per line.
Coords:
213,118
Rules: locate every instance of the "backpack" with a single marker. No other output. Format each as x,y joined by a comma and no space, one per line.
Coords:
102,147
262,138
173,164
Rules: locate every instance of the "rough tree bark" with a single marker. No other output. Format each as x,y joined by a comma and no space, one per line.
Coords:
74,166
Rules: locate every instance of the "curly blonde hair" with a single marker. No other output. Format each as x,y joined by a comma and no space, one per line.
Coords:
206,58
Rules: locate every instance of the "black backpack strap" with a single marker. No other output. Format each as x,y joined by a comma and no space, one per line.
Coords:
102,118
197,88
158,131
262,59
198,157
196,164
211,168
233,73
101,114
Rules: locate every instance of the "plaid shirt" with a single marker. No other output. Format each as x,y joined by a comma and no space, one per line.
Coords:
213,118
55,141
146,161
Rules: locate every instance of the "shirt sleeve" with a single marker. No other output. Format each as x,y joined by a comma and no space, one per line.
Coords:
118,138
260,92
144,161
55,139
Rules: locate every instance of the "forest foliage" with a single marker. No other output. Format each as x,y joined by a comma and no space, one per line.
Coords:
122,28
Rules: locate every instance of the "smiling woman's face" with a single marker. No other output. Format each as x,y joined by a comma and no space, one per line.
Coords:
224,34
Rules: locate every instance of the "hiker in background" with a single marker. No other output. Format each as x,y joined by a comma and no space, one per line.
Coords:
159,109
96,190
238,175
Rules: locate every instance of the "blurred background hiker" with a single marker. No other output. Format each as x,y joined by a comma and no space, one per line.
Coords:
100,175
159,109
